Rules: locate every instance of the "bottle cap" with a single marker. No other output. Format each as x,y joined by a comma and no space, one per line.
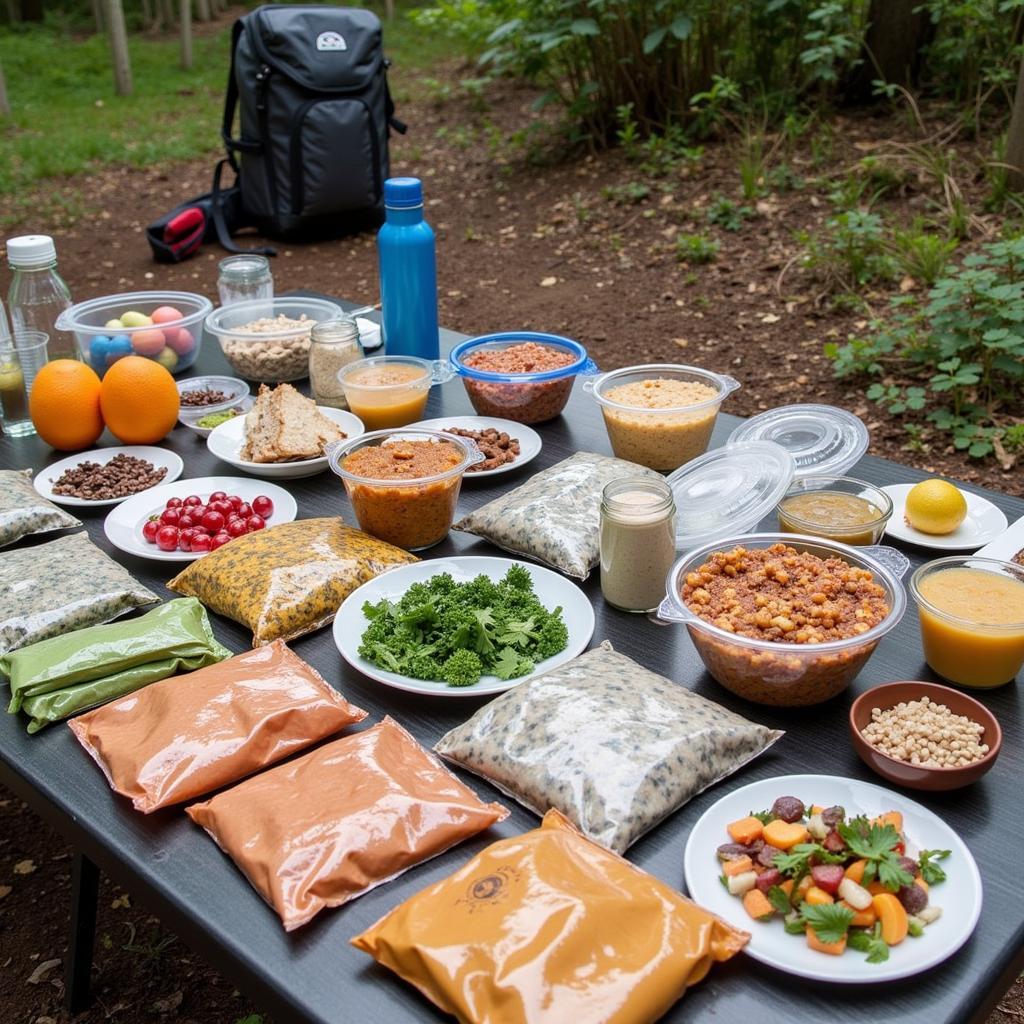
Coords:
29,252
403,193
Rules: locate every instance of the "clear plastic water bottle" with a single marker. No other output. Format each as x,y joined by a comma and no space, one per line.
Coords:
38,294
408,272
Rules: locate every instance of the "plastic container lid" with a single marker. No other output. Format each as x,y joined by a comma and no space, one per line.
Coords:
823,440
582,364
29,252
403,193
728,491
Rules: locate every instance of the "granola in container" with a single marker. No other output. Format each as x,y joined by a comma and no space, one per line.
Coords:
612,745
24,512
555,517
61,586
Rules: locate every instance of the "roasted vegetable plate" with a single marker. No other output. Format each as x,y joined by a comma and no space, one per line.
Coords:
836,879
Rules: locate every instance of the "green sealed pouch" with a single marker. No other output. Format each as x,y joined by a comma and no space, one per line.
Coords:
67,674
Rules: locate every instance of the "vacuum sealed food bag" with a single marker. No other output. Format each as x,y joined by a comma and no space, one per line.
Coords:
23,511
66,674
549,926
290,579
613,746
555,517
63,585
183,737
329,826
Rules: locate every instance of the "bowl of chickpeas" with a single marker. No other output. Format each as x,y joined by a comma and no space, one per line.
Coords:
924,736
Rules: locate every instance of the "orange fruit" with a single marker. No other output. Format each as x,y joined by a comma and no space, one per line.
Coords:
139,400
65,405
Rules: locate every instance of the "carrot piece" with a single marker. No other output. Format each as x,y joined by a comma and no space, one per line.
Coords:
894,818
921,883
737,866
832,948
805,883
745,831
787,886
756,904
861,918
816,809
816,897
876,888
785,835
855,871
893,917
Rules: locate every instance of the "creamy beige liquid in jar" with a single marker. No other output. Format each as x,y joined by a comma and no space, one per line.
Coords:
638,542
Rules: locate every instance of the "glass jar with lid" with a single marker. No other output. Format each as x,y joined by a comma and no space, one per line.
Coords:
244,277
638,542
333,344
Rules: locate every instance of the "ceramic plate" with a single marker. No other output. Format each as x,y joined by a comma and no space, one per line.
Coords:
1007,544
123,526
984,522
529,440
959,896
159,457
550,588
226,443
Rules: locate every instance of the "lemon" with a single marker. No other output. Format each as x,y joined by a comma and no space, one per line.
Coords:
935,506
10,377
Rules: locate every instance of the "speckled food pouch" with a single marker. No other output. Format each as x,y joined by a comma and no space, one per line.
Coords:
61,586
612,745
24,512
290,579
555,517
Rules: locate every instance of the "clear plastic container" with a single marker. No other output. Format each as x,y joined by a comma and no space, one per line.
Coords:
823,439
661,437
838,508
174,342
728,491
778,673
961,646
237,392
243,278
269,339
529,397
412,512
38,294
390,391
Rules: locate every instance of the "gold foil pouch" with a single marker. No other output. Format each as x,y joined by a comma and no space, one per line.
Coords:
329,826
290,579
184,736
549,926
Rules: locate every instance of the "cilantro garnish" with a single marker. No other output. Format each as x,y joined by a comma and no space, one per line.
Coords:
797,861
870,942
794,925
877,845
830,921
930,871
762,816
779,900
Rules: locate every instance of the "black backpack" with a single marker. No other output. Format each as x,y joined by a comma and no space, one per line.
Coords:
309,84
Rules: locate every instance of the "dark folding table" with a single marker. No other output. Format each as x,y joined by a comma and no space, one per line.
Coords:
314,975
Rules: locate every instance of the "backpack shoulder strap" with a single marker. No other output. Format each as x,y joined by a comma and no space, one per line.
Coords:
220,224
389,106
230,104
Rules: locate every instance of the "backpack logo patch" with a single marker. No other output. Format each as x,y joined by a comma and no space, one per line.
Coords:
331,41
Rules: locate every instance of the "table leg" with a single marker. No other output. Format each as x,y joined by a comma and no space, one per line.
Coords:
85,883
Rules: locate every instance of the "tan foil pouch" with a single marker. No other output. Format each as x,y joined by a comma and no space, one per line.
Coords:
184,736
549,926
333,824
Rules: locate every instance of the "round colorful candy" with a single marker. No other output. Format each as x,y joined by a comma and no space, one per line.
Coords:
148,343
99,348
120,346
165,315
135,319
167,359
181,340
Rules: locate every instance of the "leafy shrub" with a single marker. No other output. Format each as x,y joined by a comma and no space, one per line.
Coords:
921,255
849,253
695,249
727,214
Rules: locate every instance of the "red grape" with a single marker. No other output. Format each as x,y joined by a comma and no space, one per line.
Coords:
263,506
234,500
167,538
221,506
213,522
218,540
170,516
244,510
185,539
255,523
237,527
217,496
193,499
149,528
173,503
202,542
186,521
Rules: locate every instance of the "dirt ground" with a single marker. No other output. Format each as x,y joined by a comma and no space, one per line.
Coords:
556,246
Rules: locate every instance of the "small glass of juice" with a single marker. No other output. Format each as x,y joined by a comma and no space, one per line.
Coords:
389,391
20,361
972,618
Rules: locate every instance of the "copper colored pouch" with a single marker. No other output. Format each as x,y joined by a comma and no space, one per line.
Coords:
549,926
184,736
330,825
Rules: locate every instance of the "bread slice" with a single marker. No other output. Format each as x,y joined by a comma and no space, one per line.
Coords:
284,426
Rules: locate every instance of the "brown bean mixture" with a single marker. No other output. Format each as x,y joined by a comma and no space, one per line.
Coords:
203,396
403,460
499,449
1019,557
528,357
784,595
121,476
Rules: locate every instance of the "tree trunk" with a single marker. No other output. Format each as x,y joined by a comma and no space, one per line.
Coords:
5,106
147,13
1015,138
167,12
114,14
13,11
185,8
97,15
896,34
31,10
203,12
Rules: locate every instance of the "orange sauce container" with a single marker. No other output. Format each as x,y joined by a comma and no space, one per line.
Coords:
387,391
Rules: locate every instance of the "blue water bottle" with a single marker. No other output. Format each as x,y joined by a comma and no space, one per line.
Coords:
408,272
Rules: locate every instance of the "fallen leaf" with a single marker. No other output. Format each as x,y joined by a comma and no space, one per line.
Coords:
908,284
5,890
24,867
122,902
169,1004
40,973
770,318
681,342
548,282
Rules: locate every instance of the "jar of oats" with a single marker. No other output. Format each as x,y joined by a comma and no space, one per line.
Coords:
333,344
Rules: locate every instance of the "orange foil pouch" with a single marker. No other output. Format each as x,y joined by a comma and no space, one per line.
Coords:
550,926
186,735
333,824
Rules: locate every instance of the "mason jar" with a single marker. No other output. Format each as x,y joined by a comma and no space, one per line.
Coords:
244,277
333,344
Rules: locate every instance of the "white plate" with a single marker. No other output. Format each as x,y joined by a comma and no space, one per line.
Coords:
123,526
959,896
1007,544
983,523
551,589
226,443
159,457
529,440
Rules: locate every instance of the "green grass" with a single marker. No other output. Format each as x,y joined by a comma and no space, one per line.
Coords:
66,119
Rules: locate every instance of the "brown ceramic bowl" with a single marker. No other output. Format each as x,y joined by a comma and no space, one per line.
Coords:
911,775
